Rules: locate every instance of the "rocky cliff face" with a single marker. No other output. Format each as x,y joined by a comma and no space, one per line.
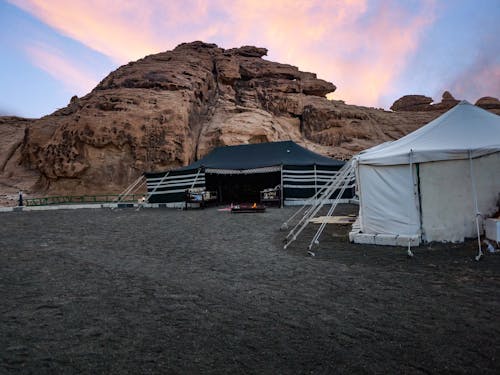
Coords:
169,109
421,103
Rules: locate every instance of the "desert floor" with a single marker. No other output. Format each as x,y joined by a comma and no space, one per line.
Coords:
203,291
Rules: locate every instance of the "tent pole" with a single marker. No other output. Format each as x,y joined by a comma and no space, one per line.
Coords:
410,157
315,180
311,202
474,196
282,188
157,186
130,188
195,178
358,191
338,197
316,204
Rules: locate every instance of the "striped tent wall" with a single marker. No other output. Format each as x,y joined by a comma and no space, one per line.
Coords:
299,183
171,186
302,182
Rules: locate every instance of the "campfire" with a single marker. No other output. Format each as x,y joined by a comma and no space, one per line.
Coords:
248,207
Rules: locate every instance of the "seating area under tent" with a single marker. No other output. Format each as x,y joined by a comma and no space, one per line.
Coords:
273,173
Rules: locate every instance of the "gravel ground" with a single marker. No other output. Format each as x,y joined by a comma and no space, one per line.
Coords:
203,291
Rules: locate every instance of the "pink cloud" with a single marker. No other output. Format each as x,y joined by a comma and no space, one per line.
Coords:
75,79
482,78
118,29
361,49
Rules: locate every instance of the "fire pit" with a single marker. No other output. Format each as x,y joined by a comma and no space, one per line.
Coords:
248,207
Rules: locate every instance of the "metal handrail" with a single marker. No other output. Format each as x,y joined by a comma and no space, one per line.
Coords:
71,199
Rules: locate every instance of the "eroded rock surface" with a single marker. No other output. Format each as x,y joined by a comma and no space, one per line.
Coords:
420,103
13,175
169,109
412,103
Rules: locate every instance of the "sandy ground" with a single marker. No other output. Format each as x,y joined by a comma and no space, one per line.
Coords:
202,291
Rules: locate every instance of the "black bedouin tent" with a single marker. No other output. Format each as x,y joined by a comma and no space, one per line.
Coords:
239,173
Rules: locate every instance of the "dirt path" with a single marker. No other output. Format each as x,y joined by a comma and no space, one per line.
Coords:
202,291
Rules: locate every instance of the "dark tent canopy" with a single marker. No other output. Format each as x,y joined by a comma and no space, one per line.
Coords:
262,155
238,173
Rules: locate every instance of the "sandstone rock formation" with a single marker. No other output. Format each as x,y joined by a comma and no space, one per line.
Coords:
13,176
447,101
412,103
169,109
418,103
489,103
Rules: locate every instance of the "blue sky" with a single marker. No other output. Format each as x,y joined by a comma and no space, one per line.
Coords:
373,51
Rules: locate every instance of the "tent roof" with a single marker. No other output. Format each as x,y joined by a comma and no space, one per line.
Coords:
452,135
260,155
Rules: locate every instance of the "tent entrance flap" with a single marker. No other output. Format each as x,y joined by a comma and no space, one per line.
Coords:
239,188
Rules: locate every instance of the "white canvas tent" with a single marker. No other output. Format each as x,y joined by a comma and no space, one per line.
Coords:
431,184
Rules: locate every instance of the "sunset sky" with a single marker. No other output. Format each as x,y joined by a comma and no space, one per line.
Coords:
373,51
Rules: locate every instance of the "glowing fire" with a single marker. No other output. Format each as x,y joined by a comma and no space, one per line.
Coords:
254,205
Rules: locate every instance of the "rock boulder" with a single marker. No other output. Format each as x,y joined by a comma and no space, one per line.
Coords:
412,103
